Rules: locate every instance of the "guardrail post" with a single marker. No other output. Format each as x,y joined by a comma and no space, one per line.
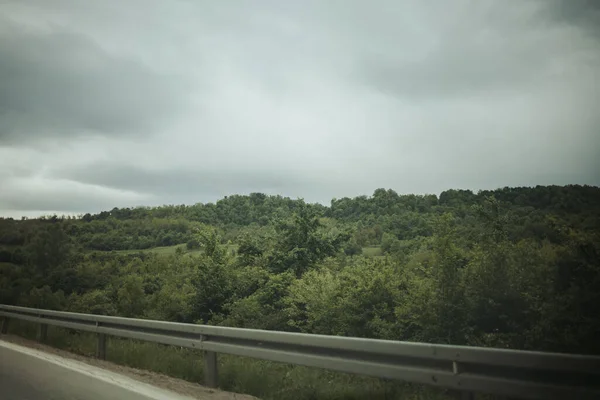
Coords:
210,369
4,329
461,395
42,334
101,347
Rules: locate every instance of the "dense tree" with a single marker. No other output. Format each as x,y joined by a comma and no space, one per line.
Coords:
265,308
512,267
303,244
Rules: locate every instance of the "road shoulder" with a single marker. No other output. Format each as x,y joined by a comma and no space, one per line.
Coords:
162,381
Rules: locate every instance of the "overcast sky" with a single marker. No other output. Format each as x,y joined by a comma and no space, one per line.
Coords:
144,102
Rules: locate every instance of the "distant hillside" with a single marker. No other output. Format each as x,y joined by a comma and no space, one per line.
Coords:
513,267
532,211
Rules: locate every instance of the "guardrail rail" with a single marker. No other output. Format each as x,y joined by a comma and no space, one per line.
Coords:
467,370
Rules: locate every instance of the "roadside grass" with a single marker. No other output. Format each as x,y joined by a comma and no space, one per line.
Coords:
264,379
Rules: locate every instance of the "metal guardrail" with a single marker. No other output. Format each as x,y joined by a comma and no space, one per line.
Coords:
518,374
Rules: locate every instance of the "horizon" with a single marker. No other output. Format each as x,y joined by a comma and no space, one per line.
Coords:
49,214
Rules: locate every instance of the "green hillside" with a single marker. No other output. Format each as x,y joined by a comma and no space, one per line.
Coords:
514,267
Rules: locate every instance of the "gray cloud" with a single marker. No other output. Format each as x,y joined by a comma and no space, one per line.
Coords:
44,195
580,13
480,48
155,101
61,83
189,184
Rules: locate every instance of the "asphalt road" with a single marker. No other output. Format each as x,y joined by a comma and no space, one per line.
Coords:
29,374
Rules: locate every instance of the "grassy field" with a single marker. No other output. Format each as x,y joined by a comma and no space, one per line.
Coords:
263,379
166,250
372,251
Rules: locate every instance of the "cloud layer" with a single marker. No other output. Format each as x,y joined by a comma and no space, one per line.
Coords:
106,104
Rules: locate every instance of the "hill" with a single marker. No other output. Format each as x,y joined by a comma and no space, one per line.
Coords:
513,267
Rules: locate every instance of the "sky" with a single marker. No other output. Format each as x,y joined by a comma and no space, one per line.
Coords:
110,103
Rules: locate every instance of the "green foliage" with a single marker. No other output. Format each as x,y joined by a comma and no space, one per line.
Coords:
13,282
303,243
48,248
193,244
249,250
210,243
358,300
212,279
352,248
263,309
131,301
514,267
171,291
93,302
448,296
44,297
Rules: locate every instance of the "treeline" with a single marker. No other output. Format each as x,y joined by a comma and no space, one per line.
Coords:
533,213
515,267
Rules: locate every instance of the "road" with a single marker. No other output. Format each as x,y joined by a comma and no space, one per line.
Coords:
30,374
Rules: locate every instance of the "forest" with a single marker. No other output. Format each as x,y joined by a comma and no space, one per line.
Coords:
513,267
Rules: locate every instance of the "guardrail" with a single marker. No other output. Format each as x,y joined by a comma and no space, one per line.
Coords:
519,374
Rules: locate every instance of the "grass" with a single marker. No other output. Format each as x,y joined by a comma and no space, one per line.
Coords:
162,250
169,250
263,379
372,251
